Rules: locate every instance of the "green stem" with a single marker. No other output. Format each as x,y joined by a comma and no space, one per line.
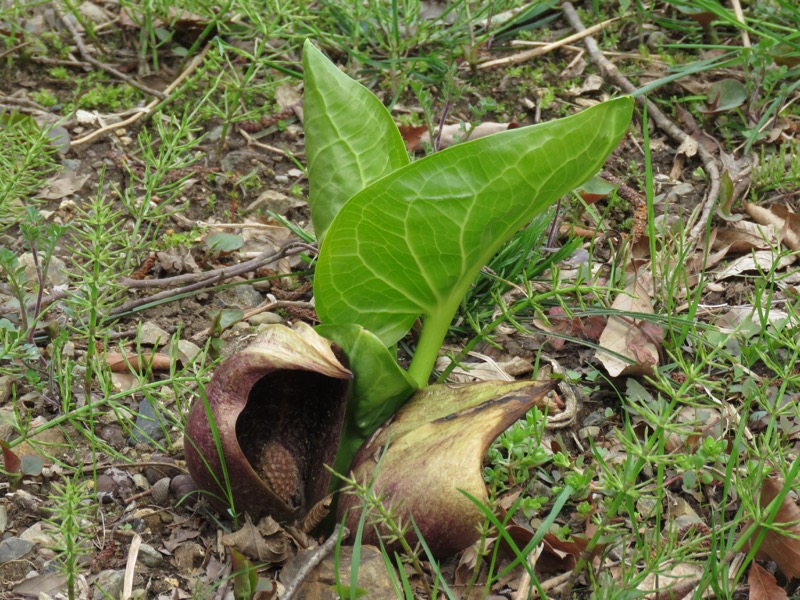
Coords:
430,341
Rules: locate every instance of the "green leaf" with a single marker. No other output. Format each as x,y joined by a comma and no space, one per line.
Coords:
411,243
724,95
380,386
351,139
245,576
224,242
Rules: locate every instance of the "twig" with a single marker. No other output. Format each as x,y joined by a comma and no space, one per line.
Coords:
264,226
626,55
216,276
259,261
27,110
15,48
251,141
31,305
529,54
46,60
86,55
611,72
737,10
130,567
200,338
313,560
190,68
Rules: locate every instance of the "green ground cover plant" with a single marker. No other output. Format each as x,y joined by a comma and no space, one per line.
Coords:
677,479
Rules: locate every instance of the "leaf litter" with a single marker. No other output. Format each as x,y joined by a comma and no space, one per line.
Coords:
185,538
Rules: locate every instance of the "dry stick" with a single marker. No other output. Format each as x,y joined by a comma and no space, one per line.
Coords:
14,49
46,60
316,557
130,567
253,142
216,276
190,68
737,10
86,55
219,277
529,54
571,48
259,261
610,70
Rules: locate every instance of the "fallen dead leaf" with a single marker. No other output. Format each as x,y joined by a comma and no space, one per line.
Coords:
739,240
672,580
587,328
63,185
763,260
486,369
787,223
763,585
267,542
416,137
633,338
781,542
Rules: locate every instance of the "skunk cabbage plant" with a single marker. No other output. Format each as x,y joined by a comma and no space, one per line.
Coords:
400,241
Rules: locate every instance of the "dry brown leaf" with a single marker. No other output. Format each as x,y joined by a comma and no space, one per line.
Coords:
587,328
788,223
466,565
265,543
783,548
763,585
674,581
636,339
416,137
486,369
763,260
740,240
63,185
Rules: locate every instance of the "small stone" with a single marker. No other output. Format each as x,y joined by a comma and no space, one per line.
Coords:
6,383
166,468
124,382
149,556
8,419
160,491
596,418
57,274
94,13
282,179
152,335
108,584
148,425
188,352
265,318
272,200
35,534
295,173
113,436
114,484
14,548
50,442
247,296
184,489
264,286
